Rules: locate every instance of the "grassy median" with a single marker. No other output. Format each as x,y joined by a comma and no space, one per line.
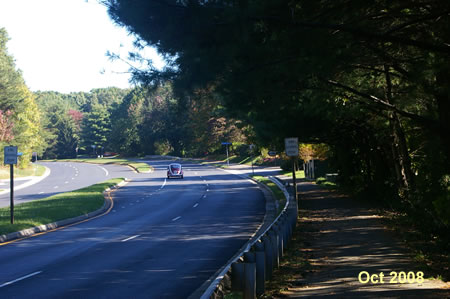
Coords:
33,170
139,166
55,208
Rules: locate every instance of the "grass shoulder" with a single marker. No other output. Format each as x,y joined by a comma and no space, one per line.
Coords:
299,174
55,208
279,195
326,184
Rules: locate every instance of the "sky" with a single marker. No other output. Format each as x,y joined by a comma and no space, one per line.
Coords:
61,45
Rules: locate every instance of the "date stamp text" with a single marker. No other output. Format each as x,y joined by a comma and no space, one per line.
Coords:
393,277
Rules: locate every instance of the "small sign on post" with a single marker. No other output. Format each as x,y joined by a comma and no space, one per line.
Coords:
10,158
10,155
227,144
291,148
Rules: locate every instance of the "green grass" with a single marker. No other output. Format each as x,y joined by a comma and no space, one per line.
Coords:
32,170
279,195
299,174
234,295
55,208
324,183
139,166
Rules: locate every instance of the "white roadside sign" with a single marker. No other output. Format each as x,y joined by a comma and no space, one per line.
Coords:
291,146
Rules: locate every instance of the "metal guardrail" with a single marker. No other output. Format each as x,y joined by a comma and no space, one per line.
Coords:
253,265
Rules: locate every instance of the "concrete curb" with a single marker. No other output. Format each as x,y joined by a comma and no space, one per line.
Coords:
107,205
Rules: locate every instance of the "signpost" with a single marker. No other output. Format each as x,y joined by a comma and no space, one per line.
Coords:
291,148
10,158
227,144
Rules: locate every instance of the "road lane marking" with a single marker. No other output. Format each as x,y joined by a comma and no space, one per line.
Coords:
196,205
19,279
56,187
176,218
104,169
165,181
130,238
42,192
66,182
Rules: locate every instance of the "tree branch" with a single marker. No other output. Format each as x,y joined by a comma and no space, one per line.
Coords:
384,104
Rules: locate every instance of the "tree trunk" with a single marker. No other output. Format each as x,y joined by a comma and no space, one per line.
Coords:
443,104
400,152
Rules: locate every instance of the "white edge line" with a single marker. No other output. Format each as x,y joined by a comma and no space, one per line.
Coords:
104,169
165,181
19,279
176,218
130,238
196,205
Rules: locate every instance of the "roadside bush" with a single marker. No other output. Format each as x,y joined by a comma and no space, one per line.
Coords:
240,149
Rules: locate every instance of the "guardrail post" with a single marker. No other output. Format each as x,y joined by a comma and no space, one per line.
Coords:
250,281
279,232
288,227
237,277
269,256
250,275
260,258
283,227
274,242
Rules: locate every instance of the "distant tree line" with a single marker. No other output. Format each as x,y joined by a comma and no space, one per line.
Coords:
132,122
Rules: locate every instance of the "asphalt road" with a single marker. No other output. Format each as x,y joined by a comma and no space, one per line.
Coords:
162,239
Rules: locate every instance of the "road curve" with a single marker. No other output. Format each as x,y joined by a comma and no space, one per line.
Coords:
162,239
64,177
